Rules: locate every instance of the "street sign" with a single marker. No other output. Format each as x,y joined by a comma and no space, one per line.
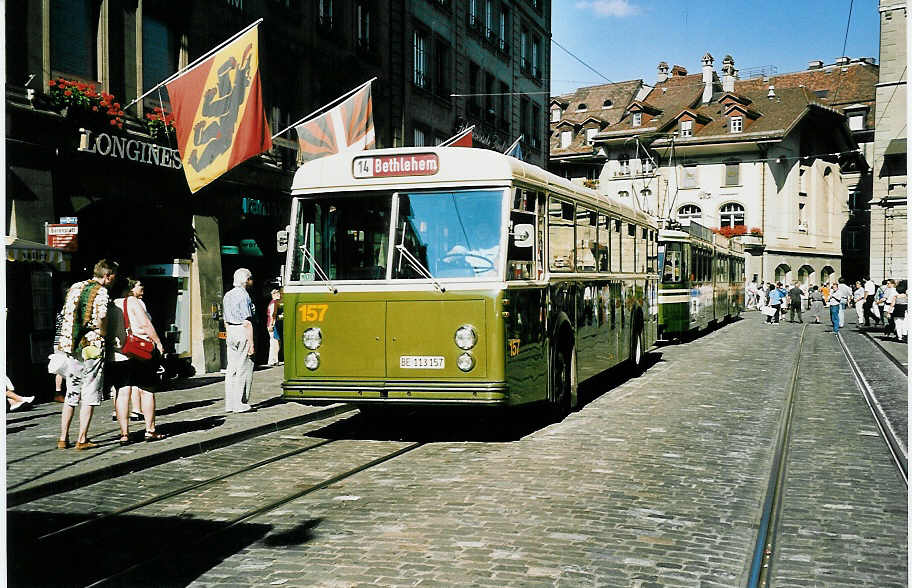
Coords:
69,220
63,236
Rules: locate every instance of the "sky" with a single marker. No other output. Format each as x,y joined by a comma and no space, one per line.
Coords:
626,39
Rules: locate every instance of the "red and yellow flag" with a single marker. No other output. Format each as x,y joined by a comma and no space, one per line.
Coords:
218,111
347,127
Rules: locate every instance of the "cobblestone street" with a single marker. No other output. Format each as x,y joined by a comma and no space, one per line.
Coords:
656,481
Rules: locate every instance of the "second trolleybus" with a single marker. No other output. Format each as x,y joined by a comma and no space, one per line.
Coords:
437,276
702,279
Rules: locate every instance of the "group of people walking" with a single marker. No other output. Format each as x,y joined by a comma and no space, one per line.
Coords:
92,333
885,305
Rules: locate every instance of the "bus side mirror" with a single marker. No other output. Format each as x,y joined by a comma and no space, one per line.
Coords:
523,235
282,241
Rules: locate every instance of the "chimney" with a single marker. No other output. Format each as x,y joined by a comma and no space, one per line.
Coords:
868,60
677,70
663,72
815,64
772,93
707,77
729,74
842,60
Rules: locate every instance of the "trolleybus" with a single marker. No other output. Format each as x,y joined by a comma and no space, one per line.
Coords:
459,276
702,279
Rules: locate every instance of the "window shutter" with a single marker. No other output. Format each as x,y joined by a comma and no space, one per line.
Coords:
731,174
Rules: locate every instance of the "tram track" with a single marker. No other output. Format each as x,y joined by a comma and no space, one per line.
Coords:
904,369
122,576
884,427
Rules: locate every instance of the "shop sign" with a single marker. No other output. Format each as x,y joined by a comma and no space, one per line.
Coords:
63,236
385,166
255,207
69,220
132,149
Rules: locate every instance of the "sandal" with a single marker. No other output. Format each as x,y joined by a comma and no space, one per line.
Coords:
153,436
63,444
124,440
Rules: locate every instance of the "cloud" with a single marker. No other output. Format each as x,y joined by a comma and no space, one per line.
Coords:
616,8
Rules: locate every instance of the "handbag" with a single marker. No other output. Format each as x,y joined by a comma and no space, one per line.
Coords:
135,347
768,310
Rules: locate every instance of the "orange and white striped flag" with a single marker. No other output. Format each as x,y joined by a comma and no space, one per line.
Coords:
347,127
218,111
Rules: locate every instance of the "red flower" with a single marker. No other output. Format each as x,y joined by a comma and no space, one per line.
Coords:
113,122
67,93
52,83
94,109
116,104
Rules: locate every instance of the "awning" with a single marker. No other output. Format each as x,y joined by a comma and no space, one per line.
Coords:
896,147
30,251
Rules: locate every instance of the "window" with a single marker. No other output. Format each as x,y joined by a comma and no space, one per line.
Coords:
524,50
689,176
362,15
160,52
73,38
646,165
802,218
489,18
624,165
623,194
326,13
420,59
418,137
504,17
687,128
737,124
524,116
474,101
637,119
489,98
536,57
473,12
645,194
615,232
586,240
603,251
565,138
560,236
641,250
690,212
628,248
505,106
590,135
582,106
555,114
732,173
856,122
442,69
731,215
607,104
536,126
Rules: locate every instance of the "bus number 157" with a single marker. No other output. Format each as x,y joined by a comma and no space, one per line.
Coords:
312,312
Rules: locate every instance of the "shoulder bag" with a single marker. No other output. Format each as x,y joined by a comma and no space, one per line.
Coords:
135,347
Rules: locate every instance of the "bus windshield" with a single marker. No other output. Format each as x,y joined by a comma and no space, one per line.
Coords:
453,234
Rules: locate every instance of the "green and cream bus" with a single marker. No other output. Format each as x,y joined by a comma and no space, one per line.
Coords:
443,276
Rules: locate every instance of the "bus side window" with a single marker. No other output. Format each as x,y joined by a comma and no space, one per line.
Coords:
604,246
642,250
522,242
628,248
560,236
615,244
586,241
651,259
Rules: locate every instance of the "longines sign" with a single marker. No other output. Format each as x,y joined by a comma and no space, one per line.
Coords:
131,149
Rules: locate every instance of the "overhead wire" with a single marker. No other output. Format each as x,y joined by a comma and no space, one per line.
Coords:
844,43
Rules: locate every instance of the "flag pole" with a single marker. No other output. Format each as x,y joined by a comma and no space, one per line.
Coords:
513,145
457,136
322,108
195,63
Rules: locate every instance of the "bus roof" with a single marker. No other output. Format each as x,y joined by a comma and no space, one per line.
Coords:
435,167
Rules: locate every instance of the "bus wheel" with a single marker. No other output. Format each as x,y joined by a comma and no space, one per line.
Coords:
636,351
559,401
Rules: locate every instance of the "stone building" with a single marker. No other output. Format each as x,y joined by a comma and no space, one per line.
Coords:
438,64
767,159
889,219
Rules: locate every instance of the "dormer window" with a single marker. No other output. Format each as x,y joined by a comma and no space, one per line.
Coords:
590,135
565,138
857,121
687,128
637,119
582,106
737,124
607,104
555,114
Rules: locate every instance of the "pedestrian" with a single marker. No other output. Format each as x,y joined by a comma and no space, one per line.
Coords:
889,296
845,294
775,301
272,327
835,306
129,375
82,339
58,378
17,402
816,299
795,295
858,300
870,289
238,314
900,305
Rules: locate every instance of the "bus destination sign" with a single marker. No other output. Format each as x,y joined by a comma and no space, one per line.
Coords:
386,166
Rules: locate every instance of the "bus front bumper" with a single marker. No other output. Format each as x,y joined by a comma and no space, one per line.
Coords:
437,393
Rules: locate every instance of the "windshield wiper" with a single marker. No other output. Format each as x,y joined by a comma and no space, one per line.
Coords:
320,273
418,266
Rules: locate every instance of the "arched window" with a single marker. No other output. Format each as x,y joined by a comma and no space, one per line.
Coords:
731,215
582,106
690,212
623,194
783,273
607,104
805,275
645,194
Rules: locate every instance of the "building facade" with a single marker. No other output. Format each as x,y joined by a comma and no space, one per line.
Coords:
768,160
889,218
118,178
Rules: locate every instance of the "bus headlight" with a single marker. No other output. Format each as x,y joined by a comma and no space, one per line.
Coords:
312,361
465,362
312,338
465,337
